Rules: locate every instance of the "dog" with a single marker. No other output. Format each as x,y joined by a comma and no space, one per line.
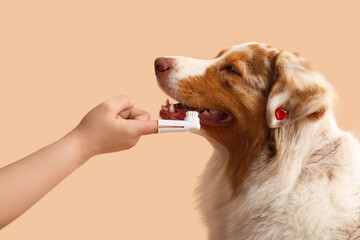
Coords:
281,167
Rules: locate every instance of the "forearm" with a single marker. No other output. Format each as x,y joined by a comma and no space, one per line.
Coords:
26,181
113,125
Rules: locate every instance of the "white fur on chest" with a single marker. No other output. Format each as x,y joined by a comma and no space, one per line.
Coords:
281,207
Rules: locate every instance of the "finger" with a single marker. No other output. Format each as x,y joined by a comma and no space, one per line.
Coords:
119,103
125,113
134,113
138,114
144,127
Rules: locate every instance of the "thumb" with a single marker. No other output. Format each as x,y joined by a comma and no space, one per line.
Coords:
145,127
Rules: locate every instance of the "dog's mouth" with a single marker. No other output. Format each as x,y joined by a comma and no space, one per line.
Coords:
208,117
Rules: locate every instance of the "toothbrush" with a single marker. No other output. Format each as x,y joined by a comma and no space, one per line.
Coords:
191,122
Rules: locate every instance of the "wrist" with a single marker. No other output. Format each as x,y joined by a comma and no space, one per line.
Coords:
80,145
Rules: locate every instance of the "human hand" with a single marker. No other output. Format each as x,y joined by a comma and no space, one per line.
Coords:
113,125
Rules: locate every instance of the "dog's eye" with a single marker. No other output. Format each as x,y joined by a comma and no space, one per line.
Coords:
232,69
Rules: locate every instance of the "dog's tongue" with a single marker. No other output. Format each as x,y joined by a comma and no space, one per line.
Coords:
208,117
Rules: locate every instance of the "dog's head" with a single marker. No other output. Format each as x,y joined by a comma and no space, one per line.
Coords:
238,92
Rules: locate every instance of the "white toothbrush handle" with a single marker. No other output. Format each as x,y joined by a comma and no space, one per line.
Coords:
172,123
164,130
173,126
176,126
191,122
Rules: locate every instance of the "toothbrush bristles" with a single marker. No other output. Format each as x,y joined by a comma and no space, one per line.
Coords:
192,114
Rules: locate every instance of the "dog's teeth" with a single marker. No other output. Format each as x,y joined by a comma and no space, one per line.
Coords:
166,109
206,112
171,108
213,111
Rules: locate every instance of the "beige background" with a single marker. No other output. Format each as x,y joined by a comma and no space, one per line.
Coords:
58,59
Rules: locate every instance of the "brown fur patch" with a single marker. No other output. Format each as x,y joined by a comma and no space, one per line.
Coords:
218,89
225,91
317,115
222,52
258,63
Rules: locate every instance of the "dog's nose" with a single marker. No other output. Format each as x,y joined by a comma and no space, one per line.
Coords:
161,65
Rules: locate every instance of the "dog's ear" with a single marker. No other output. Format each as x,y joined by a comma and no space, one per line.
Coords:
301,92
